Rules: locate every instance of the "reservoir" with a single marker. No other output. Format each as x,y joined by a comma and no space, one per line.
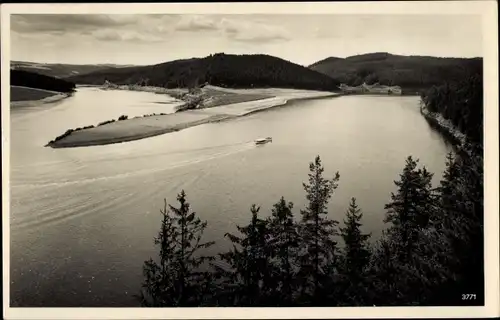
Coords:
83,219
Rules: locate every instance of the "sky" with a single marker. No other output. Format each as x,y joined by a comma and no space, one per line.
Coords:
304,39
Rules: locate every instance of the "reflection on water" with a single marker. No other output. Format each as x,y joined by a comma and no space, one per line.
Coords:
83,219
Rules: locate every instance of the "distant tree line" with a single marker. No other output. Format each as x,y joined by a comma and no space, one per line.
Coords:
227,70
39,81
413,73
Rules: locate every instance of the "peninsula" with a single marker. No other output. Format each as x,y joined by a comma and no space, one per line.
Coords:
214,88
239,102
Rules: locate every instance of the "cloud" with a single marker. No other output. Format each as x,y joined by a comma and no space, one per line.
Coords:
107,35
146,27
123,35
196,23
253,32
235,29
38,23
101,27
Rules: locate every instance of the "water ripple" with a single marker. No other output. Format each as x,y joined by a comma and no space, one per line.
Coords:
203,158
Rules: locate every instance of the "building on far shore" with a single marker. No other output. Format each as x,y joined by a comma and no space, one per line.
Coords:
109,85
370,89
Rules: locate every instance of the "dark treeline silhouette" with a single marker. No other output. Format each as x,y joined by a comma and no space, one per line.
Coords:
429,255
39,81
412,73
431,252
227,70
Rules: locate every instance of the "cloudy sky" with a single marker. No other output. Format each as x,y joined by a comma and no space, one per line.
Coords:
303,39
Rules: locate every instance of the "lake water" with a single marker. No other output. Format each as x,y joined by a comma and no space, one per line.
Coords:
83,219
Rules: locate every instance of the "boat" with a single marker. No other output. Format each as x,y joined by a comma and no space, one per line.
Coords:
263,140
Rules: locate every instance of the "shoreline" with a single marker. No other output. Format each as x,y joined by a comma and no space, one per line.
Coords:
29,97
157,90
375,94
138,136
444,126
145,127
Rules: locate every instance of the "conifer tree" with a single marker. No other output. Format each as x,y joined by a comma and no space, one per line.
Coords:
248,282
317,259
381,273
356,254
283,243
412,213
176,279
461,202
472,271
450,253
410,208
447,217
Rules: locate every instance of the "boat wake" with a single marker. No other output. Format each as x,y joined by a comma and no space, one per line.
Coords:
112,157
233,149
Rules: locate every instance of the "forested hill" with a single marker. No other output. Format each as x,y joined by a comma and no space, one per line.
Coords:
460,102
60,70
409,72
39,81
226,70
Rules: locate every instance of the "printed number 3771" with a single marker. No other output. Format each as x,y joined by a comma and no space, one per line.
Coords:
468,296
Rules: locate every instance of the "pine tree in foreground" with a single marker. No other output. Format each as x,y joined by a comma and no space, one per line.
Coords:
284,243
411,207
176,280
443,235
381,274
461,230
410,214
317,259
471,250
248,281
449,256
355,256
431,252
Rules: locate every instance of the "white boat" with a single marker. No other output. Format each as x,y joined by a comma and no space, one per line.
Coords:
264,140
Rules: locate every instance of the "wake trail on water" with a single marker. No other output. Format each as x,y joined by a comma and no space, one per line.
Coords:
237,148
25,113
52,214
112,157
